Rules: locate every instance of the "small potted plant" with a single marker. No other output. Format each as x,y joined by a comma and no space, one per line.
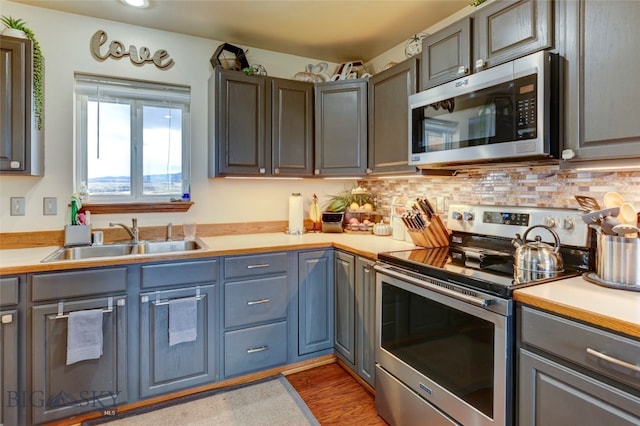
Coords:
16,28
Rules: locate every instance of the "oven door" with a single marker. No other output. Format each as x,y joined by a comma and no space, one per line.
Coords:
446,347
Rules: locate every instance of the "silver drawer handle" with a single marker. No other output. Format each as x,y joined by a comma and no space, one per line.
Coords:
259,349
257,302
613,360
259,265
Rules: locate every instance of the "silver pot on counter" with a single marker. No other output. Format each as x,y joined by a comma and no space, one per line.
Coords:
618,260
536,260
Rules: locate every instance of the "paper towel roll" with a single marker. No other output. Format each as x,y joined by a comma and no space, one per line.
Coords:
296,214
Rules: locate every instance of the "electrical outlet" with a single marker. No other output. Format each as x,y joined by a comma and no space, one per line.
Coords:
49,206
17,206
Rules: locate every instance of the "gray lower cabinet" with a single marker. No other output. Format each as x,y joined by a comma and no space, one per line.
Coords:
570,372
315,301
256,297
355,314
345,329
341,128
388,149
10,360
59,390
365,319
602,93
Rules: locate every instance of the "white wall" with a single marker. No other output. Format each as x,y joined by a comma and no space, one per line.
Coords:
64,39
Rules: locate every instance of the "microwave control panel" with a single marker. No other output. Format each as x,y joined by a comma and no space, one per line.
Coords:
526,107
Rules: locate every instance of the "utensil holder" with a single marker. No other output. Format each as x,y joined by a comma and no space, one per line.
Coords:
435,234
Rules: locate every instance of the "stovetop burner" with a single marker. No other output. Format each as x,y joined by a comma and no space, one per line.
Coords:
481,253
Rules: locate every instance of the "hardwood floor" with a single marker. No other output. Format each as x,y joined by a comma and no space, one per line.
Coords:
335,397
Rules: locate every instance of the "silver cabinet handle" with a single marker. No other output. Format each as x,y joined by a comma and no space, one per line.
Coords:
259,265
257,302
612,360
258,349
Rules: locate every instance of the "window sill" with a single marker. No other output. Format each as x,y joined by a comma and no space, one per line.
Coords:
150,207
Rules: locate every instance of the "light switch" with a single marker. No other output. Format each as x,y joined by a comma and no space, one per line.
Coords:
49,206
17,206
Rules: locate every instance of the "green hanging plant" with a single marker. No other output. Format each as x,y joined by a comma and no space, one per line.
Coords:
38,65
477,3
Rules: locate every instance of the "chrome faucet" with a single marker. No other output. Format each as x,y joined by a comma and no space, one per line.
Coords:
133,230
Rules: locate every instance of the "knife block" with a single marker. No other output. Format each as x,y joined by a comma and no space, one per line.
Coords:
435,234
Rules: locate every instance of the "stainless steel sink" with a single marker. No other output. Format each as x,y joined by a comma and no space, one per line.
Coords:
123,249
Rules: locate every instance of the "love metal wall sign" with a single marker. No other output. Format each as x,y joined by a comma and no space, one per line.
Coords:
116,49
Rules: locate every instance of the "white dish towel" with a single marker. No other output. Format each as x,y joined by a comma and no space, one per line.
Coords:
84,335
183,319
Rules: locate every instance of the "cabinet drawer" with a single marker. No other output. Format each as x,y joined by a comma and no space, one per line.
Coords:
259,300
255,348
9,291
261,264
588,347
78,283
179,273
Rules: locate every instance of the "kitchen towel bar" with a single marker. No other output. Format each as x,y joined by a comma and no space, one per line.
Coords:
160,302
107,310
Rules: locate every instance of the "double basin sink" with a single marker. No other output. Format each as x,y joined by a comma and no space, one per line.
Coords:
124,249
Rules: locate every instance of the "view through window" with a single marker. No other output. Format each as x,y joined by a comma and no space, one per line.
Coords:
132,139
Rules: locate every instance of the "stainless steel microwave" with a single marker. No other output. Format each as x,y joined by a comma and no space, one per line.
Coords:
511,112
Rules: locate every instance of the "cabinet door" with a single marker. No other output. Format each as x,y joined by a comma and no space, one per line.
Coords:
9,361
341,128
506,30
345,329
552,394
241,112
602,79
365,319
291,127
61,390
446,54
165,368
315,301
15,108
388,150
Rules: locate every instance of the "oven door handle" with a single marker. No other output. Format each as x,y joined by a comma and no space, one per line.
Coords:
474,300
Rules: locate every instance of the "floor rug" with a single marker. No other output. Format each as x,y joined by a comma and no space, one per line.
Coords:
269,402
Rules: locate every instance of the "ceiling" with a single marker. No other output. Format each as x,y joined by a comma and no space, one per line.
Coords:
333,31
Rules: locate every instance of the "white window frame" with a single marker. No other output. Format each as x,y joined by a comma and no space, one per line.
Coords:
138,94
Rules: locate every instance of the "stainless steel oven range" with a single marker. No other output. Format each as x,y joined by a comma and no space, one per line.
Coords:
445,324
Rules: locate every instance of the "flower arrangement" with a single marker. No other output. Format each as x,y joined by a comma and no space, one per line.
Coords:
38,65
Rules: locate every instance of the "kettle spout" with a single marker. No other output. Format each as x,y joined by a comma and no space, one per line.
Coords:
517,241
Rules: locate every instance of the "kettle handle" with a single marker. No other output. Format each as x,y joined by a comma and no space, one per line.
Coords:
554,233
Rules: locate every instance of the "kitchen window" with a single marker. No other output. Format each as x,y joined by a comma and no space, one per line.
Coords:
132,140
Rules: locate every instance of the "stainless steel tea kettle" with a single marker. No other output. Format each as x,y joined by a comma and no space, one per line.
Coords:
535,260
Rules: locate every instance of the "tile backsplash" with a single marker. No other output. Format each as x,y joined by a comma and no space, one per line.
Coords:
543,186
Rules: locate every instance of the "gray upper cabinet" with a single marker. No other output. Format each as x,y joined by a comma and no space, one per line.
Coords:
21,148
240,124
264,126
497,32
446,54
601,43
291,127
505,30
341,128
388,150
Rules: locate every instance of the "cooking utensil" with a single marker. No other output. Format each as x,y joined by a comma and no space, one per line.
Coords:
628,214
608,224
626,230
587,203
613,199
598,215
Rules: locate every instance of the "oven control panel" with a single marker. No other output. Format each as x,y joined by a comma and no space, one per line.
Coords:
507,221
